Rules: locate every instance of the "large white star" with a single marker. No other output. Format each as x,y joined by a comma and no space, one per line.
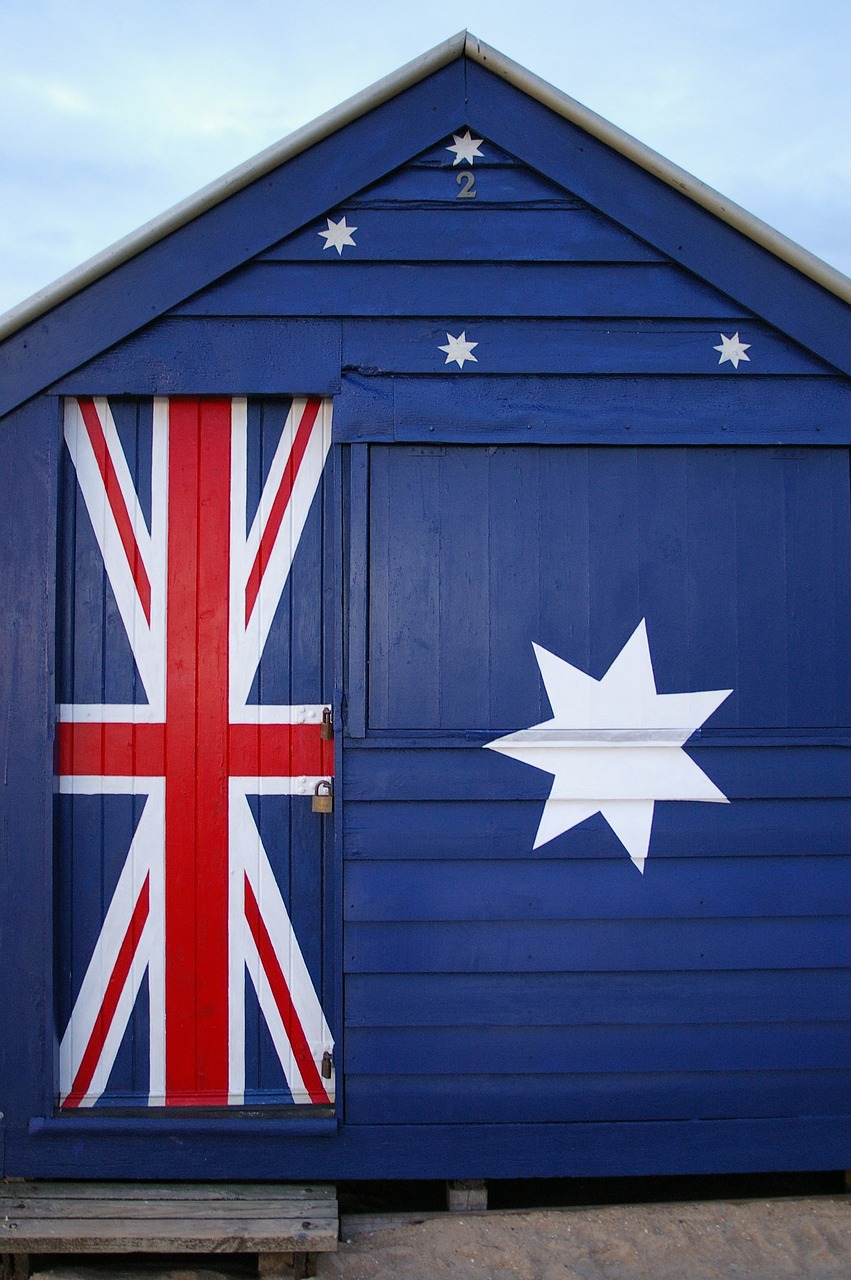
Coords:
466,148
732,349
459,350
338,235
613,746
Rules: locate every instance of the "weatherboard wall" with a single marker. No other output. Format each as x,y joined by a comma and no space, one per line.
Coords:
504,1010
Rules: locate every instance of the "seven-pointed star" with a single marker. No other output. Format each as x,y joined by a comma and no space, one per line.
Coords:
466,148
459,350
613,746
338,235
732,349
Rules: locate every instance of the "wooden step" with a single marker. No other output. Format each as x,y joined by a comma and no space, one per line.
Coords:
168,1217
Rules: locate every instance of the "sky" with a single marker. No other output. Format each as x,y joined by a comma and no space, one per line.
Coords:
112,112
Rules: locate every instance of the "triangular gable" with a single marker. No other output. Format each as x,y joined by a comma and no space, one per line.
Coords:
538,219
555,288
364,151
452,242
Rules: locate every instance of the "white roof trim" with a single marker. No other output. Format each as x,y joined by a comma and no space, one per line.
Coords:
727,210
464,43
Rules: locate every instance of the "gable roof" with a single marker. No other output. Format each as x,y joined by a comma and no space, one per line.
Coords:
728,265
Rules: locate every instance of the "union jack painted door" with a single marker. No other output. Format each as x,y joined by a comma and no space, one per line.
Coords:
192,680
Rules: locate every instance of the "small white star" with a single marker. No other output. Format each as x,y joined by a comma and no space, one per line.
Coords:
338,235
732,349
459,350
466,148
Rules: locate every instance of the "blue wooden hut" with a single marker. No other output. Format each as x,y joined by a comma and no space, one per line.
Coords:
427,619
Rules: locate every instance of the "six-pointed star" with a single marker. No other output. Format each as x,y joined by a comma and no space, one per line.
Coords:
613,746
459,350
732,349
466,148
338,235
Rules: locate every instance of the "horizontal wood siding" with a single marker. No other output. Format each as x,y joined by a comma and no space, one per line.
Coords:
591,999
570,548
465,289
624,1049
619,409
485,232
548,345
544,946
221,356
447,829
490,983
562,1097
564,889
187,355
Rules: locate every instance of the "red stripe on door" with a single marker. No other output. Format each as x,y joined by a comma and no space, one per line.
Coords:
281,994
196,788
279,505
117,505
114,988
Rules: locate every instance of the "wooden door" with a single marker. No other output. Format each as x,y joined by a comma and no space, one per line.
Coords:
192,682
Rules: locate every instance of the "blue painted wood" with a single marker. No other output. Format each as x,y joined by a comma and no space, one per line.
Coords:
510,184
591,1097
334,641
574,889
629,534
620,946
28,463
217,357
438,1151
357,561
471,408
556,346
449,829
349,287
205,1128
439,156
228,235
666,219
743,773
474,1000
461,232
453,1051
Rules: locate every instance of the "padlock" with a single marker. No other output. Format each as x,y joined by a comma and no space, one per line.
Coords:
323,797
326,729
327,1065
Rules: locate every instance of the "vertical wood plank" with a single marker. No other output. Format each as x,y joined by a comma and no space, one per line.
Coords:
357,629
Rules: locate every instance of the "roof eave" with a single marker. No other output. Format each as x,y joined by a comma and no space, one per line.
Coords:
680,179
383,90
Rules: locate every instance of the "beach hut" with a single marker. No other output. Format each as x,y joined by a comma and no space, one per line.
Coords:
425,664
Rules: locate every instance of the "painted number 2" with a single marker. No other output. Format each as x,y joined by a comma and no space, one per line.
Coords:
467,182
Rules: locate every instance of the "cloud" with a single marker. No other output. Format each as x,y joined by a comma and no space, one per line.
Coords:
45,92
